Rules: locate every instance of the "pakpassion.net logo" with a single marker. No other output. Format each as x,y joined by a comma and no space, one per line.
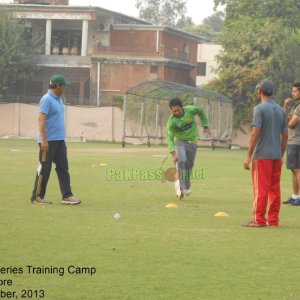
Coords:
140,174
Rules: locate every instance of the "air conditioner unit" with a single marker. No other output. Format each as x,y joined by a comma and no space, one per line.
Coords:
103,27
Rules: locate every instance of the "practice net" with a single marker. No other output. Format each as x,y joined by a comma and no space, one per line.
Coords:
146,112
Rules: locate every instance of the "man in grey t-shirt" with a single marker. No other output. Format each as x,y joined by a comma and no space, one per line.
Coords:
266,147
293,147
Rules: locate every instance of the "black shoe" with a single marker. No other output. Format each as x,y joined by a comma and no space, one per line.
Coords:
296,202
289,201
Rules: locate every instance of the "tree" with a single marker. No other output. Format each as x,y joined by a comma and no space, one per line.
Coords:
215,21
260,39
18,50
164,12
210,27
276,9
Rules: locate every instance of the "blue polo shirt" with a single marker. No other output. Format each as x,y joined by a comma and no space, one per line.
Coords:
271,119
53,107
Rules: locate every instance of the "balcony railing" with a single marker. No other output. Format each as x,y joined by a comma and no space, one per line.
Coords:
127,50
64,60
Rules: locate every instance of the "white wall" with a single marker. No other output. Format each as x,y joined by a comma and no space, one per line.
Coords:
93,123
207,53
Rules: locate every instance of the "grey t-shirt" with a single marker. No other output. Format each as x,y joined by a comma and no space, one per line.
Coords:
270,118
294,133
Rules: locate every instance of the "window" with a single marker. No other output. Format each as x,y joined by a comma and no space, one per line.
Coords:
33,88
153,69
201,70
186,47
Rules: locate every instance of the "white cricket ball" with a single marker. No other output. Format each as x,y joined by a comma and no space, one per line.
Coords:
117,216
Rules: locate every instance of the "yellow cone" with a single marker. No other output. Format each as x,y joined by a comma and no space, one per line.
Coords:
171,205
103,165
221,214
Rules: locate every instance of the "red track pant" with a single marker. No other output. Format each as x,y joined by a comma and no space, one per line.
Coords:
266,185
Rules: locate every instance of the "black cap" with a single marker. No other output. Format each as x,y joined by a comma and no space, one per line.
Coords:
266,86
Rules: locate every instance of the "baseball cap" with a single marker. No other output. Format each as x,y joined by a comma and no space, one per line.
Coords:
267,86
59,79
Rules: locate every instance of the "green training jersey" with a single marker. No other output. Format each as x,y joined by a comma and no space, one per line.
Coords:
185,127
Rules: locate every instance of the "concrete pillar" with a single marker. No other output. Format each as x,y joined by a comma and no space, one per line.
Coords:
85,27
48,37
81,93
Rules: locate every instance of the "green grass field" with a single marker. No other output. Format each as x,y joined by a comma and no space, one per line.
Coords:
152,252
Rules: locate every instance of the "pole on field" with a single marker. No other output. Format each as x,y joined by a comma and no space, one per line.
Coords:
124,119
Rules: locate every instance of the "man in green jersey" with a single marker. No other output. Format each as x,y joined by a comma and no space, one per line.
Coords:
182,136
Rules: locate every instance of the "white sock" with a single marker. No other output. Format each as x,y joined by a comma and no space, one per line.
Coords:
295,196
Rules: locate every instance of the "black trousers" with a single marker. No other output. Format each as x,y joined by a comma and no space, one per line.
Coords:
57,153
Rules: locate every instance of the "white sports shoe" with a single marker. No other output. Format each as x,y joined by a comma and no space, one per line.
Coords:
71,200
186,192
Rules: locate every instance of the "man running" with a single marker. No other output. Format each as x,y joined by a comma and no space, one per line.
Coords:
182,136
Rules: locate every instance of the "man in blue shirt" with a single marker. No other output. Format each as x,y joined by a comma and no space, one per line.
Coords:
52,145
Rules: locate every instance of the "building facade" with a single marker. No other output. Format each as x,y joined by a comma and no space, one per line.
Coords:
103,53
206,61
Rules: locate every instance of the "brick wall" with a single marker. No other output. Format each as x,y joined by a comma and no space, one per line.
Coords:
183,44
116,79
121,77
143,42
138,40
44,2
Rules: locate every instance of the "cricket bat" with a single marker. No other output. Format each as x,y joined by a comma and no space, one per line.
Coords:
39,170
163,178
177,183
